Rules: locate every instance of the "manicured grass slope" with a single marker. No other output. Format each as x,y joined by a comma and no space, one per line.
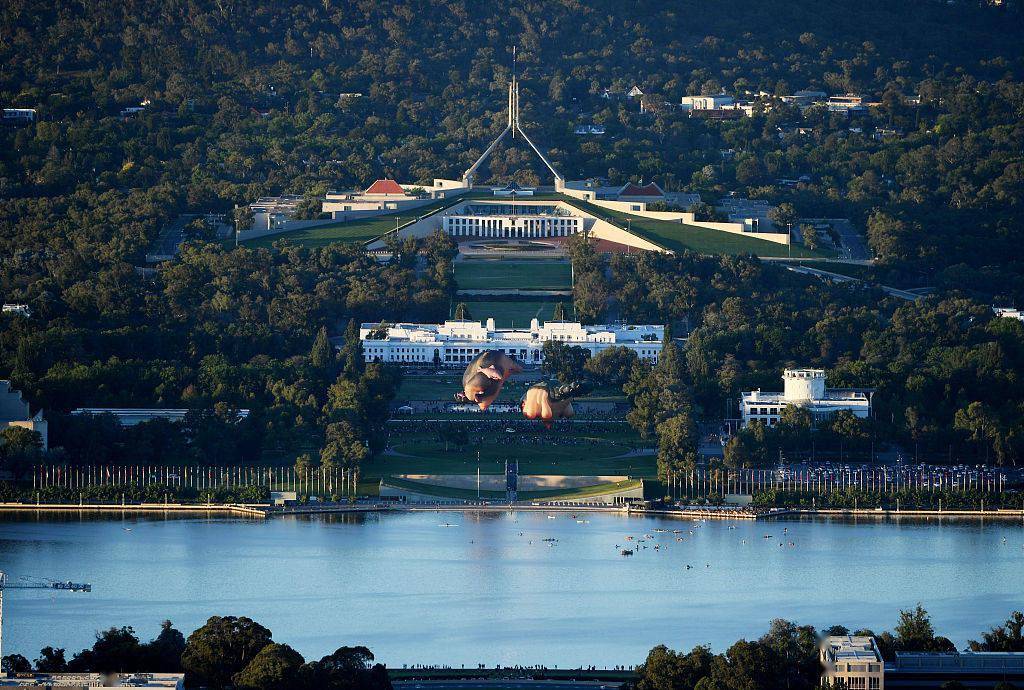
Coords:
496,274
546,495
518,314
679,237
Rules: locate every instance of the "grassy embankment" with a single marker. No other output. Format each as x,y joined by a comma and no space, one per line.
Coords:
681,237
518,274
545,495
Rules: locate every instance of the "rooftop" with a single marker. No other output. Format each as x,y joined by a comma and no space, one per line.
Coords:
385,187
650,189
851,648
568,331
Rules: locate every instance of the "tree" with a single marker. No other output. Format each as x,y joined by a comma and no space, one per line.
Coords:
783,215
116,650
351,355
612,367
348,668
462,312
810,235
565,362
914,633
244,218
677,444
558,313
275,667
665,669
321,355
19,442
303,465
165,650
343,446
590,294
1002,638
51,660
736,453
15,663
219,649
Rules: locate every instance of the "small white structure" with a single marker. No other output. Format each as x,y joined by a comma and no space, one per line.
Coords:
457,342
805,388
1004,312
715,102
854,660
19,116
15,411
584,130
850,104
17,310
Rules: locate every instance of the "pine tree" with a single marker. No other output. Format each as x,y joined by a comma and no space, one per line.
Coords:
352,361
321,355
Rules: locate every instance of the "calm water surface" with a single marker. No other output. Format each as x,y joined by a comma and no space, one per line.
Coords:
488,589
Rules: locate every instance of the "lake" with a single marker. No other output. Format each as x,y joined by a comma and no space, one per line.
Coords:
489,589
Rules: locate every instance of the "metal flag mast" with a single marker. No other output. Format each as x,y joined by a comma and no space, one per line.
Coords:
512,127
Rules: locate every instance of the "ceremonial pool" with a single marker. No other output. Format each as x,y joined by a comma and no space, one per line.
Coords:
503,588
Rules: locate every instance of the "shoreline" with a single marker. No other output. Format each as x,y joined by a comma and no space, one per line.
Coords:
263,511
230,508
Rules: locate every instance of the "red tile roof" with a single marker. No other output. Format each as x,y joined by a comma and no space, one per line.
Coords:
384,186
649,189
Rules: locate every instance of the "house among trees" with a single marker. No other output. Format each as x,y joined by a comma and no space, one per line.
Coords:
15,412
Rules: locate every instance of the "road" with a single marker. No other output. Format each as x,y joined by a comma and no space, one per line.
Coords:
853,245
840,278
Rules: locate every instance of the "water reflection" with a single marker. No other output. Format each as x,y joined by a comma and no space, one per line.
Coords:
488,588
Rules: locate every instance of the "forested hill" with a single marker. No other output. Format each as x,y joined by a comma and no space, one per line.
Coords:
239,99
246,98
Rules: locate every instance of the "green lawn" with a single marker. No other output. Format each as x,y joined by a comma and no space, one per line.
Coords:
674,236
497,274
430,388
508,314
566,449
362,230
679,237
442,387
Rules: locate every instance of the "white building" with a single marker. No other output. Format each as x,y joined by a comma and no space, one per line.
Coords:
95,681
850,104
511,221
805,388
15,411
383,196
716,102
1004,312
856,661
17,309
130,416
457,342
19,116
